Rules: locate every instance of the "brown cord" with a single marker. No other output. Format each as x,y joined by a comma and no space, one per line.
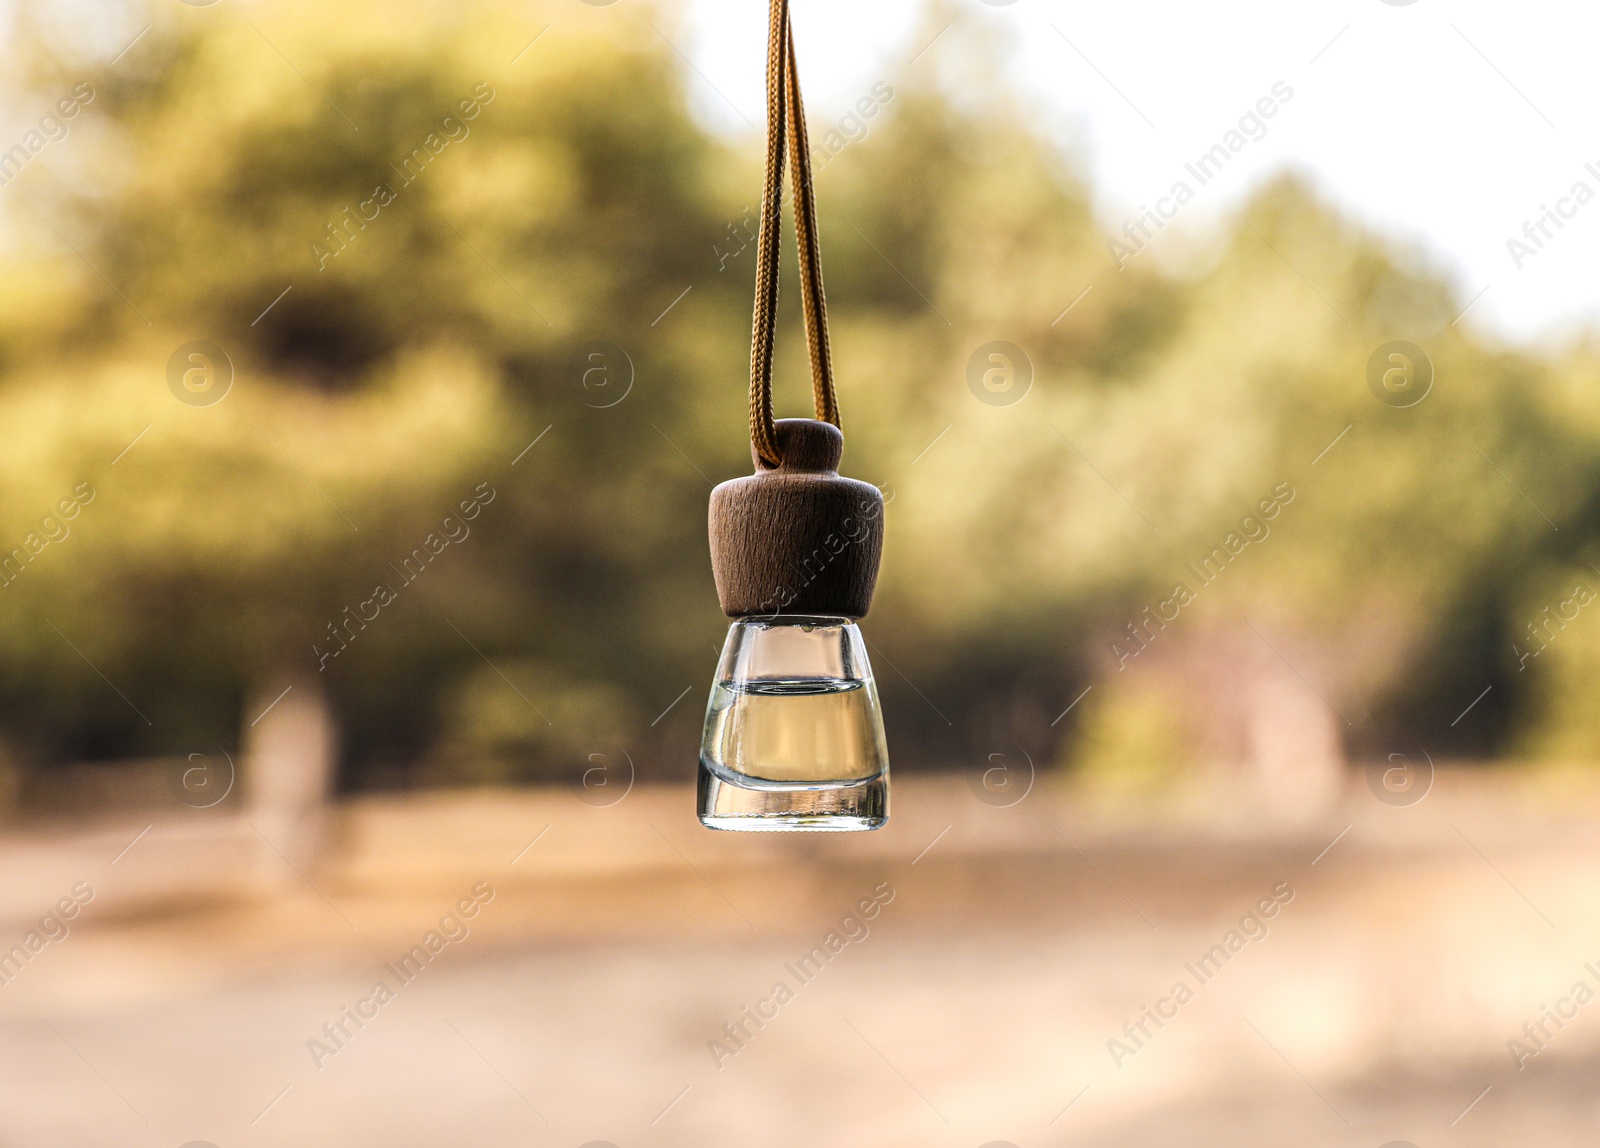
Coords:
786,125
813,301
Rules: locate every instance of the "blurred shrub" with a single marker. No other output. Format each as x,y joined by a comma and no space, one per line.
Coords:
1133,743
407,225
494,731
1556,650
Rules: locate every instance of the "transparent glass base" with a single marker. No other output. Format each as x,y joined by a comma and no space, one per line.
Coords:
745,805
793,737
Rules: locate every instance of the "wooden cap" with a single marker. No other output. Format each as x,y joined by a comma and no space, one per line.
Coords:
797,538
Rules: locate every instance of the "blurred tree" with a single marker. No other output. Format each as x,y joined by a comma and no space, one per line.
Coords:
474,276
399,230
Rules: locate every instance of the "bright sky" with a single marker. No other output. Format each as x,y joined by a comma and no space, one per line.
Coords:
1446,125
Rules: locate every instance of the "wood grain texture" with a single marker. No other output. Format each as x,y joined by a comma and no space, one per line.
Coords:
797,538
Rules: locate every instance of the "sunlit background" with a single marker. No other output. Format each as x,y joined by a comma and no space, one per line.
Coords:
1241,637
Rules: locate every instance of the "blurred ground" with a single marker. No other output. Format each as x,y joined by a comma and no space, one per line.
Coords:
1017,943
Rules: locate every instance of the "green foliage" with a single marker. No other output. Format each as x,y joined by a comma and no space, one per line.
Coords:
1557,646
401,228
1132,744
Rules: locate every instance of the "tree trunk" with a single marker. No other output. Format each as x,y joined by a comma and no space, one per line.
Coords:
1295,744
291,754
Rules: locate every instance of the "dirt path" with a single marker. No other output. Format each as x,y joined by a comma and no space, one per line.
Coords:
974,998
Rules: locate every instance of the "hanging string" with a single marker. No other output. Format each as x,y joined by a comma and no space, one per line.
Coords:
786,125
813,302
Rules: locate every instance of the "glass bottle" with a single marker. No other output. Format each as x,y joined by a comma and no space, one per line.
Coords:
793,734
